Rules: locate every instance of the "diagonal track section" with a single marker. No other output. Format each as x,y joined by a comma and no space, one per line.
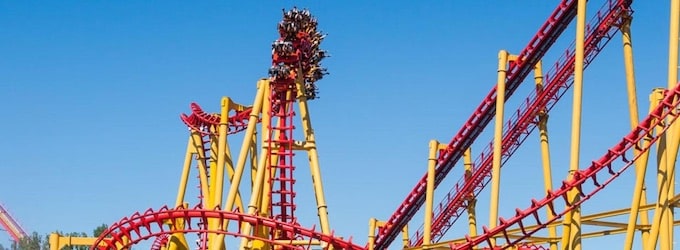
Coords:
601,29
588,180
517,72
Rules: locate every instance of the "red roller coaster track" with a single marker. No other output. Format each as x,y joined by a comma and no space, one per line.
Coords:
517,72
601,29
663,115
10,224
152,223
158,223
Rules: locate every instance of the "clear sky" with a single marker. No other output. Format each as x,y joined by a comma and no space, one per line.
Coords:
91,94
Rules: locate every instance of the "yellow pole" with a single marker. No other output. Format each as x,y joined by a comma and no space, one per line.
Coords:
263,164
54,241
322,207
545,149
657,225
571,238
243,154
673,142
213,163
257,195
221,154
429,192
472,201
218,242
215,197
253,158
497,141
404,237
371,232
667,167
639,193
181,242
181,191
202,174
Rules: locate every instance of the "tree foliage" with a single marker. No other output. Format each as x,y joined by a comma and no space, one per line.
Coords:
37,242
99,230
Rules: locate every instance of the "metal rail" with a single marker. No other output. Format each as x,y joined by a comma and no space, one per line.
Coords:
663,115
601,29
517,72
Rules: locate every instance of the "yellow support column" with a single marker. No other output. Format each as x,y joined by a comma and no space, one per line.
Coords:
202,173
243,154
657,226
221,154
545,149
472,201
666,174
310,145
673,134
429,192
259,197
218,240
404,237
497,141
639,193
184,179
571,238
372,223
180,243
262,164
214,142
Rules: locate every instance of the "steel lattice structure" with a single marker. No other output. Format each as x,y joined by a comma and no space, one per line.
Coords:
278,123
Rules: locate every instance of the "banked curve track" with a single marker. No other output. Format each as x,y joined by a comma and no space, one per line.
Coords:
153,223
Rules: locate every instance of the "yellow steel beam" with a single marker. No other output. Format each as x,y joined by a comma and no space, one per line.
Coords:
259,197
372,225
659,229
673,133
608,224
572,227
58,242
472,201
498,140
313,156
545,149
218,240
584,219
429,191
516,233
639,192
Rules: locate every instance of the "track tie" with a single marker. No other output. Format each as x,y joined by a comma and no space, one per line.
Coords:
521,227
611,170
564,195
486,232
623,157
595,182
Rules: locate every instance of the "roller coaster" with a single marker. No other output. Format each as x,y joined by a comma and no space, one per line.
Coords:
277,126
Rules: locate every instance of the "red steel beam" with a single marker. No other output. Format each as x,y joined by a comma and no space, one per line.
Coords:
153,223
517,72
557,202
11,225
600,30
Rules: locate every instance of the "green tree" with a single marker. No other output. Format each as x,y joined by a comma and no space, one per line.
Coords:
3,247
99,230
31,242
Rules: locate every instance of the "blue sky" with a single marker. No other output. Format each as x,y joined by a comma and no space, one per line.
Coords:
91,93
